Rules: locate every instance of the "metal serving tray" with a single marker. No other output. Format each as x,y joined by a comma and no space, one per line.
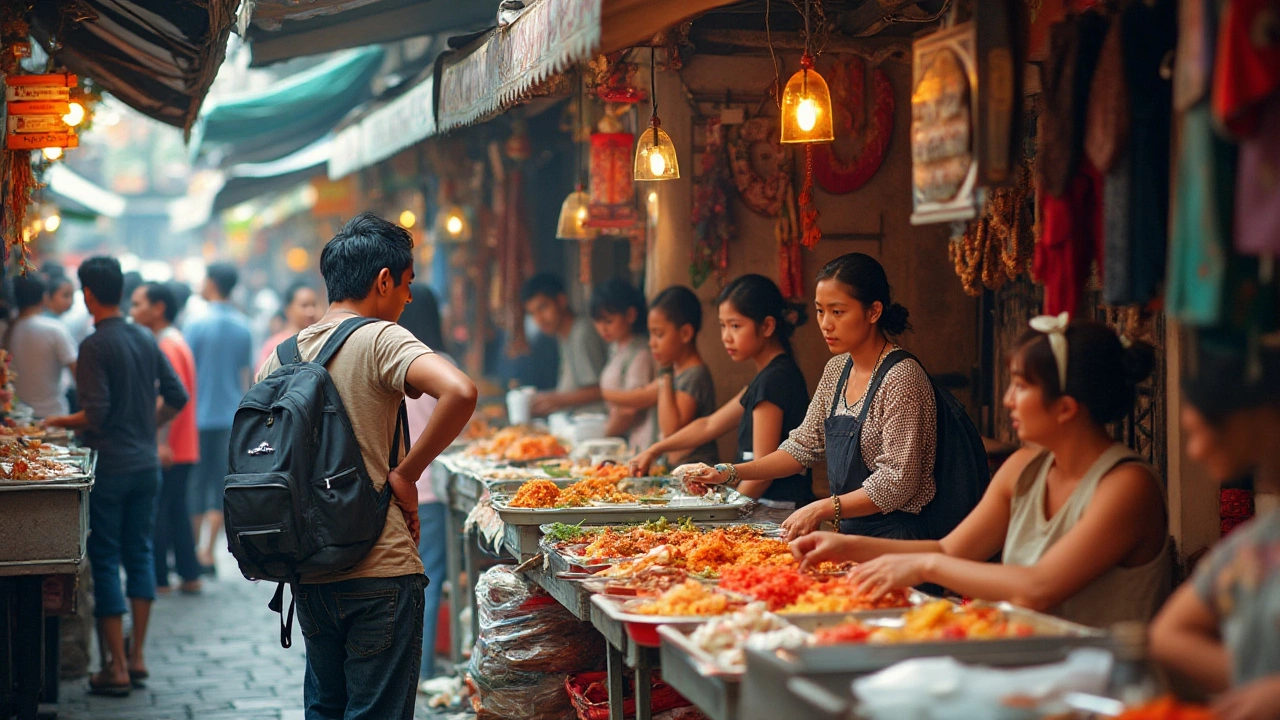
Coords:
766,529
696,676
816,682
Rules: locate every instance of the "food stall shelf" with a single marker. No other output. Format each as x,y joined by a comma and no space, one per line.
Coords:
568,593
621,650
45,524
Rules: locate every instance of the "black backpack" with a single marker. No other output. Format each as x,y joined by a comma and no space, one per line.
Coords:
298,498
961,472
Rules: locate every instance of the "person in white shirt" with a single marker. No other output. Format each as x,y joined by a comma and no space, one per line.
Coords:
41,348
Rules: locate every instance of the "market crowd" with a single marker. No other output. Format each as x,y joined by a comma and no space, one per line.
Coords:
1077,520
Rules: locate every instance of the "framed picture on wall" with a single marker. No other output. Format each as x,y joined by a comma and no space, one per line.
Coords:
944,161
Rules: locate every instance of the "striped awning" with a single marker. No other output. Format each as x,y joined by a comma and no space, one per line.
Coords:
385,130
501,67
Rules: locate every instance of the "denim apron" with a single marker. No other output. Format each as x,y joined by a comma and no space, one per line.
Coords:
846,468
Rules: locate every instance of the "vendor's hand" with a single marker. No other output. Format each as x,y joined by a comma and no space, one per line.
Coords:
57,421
890,572
640,464
700,477
818,547
405,494
1257,700
807,519
544,403
166,456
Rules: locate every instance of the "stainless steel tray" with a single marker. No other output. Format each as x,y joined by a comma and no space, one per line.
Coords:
766,529
1053,636
86,463
729,510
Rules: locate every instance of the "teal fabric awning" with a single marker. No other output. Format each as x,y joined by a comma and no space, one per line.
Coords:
269,124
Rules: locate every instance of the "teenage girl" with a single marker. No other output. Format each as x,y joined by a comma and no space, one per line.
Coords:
684,390
756,324
1079,518
876,429
618,312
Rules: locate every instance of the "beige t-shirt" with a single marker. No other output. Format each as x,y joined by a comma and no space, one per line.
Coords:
369,373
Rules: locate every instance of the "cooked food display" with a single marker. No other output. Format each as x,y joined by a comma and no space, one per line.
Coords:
687,546
34,467
725,639
688,599
787,590
517,443
938,620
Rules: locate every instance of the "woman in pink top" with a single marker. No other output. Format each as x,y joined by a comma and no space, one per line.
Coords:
301,310
422,318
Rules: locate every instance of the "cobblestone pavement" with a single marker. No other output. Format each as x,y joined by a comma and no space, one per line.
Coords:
213,656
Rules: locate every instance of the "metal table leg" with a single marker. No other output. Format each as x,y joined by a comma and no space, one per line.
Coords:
28,645
644,684
6,647
52,658
617,683
457,595
471,563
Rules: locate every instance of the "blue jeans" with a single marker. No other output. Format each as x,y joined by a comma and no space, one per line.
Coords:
173,528
431,546
122,512
364,646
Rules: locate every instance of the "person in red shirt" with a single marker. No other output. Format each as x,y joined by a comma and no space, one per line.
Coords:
155,306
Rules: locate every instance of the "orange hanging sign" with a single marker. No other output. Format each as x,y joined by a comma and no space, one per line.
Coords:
66,80
36,141
40,107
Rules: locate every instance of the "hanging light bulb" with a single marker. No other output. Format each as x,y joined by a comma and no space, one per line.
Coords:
53,222
573,217
655,153
52,153
75,114
408,219
452,224
806,107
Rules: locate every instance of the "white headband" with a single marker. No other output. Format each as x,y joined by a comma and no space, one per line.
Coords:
1056,329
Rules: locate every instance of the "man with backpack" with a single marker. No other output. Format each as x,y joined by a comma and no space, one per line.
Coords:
330,506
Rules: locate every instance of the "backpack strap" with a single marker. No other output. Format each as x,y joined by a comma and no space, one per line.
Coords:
401,436
277,605
339,336
287,352
886,365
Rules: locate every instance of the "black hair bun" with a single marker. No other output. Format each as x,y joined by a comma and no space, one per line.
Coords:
893,319
1139,362
795,315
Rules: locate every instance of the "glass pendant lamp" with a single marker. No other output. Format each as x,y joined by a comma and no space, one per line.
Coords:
806,101
655,153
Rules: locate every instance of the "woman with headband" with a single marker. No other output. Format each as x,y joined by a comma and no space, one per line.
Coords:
1079,519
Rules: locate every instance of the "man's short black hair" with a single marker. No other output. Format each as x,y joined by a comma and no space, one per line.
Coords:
28,290
351,261
542,284
101,276
181,294
161,293
224,277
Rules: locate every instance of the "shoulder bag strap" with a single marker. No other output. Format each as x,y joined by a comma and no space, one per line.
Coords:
339,336
890,360
840,385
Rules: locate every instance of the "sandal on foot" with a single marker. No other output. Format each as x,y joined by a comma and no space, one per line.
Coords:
138,678
109,689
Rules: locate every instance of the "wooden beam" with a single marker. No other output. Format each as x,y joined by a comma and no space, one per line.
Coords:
1193,496
875,49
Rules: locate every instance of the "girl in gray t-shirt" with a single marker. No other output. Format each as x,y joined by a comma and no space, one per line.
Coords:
683,390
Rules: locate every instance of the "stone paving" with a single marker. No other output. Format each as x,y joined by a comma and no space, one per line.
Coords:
214,656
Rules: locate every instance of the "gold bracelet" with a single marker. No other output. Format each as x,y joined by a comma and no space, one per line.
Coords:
835,500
